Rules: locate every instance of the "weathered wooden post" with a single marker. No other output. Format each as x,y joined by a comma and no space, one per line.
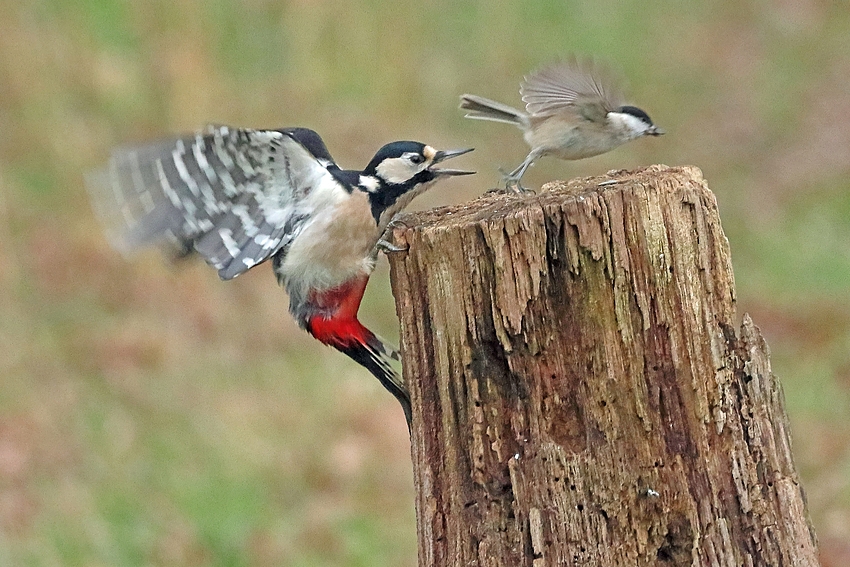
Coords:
583,393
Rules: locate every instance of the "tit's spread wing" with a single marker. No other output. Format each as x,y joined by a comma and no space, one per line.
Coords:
236,195
582,86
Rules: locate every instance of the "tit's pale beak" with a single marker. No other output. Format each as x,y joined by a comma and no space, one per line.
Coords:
655,131
443,155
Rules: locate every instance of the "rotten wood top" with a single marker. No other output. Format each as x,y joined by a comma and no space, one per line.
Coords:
495,205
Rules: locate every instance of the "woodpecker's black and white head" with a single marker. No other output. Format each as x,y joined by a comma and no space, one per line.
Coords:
634,122
400,171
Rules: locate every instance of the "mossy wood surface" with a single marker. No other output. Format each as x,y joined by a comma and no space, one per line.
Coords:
583,391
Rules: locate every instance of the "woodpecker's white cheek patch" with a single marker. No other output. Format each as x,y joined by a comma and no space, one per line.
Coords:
398,170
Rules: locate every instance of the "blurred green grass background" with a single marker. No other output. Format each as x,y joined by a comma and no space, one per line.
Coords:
157,416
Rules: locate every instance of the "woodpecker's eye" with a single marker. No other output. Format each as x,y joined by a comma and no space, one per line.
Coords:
416,158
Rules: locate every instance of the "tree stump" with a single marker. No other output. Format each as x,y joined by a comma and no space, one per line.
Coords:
582,393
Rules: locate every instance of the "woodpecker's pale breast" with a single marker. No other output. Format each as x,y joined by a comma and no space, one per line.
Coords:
336,245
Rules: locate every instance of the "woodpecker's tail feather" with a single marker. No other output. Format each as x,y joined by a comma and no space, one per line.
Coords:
377,357
481,108
345,333
350,337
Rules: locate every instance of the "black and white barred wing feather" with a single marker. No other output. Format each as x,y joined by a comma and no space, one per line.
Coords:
236,196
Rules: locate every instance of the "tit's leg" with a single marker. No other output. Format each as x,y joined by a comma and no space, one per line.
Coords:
512,179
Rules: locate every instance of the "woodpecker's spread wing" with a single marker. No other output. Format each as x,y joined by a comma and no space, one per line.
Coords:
582,86
237,196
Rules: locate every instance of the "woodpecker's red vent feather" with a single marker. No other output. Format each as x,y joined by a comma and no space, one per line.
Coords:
339,332
339,327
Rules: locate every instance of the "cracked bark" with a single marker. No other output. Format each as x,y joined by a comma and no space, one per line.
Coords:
582,393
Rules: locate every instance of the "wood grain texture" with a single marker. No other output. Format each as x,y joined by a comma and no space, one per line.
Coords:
583,393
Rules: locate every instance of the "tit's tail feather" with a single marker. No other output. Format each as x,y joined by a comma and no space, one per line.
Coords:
481,108
377,356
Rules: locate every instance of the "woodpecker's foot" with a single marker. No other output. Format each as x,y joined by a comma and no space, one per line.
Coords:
384,244
396,223
388,247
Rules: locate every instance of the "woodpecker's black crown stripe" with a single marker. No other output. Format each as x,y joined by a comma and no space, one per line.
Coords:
393,150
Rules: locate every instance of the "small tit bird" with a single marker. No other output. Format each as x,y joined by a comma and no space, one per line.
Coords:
573,111
239,197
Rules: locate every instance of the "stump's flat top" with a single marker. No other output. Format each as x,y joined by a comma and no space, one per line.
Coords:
500,205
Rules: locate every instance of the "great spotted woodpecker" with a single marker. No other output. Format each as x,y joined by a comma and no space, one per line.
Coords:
239,197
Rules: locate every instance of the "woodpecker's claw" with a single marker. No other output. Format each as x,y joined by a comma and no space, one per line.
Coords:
396,222
384,244
388,247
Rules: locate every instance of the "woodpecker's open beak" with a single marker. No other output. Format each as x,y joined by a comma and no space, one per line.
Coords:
655,131
443,155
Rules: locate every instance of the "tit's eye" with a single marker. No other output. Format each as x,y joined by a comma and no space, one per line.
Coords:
416,158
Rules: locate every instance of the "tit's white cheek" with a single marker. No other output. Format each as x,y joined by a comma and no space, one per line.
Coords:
627,123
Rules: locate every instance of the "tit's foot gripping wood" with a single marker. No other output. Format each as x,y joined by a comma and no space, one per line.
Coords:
582,392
